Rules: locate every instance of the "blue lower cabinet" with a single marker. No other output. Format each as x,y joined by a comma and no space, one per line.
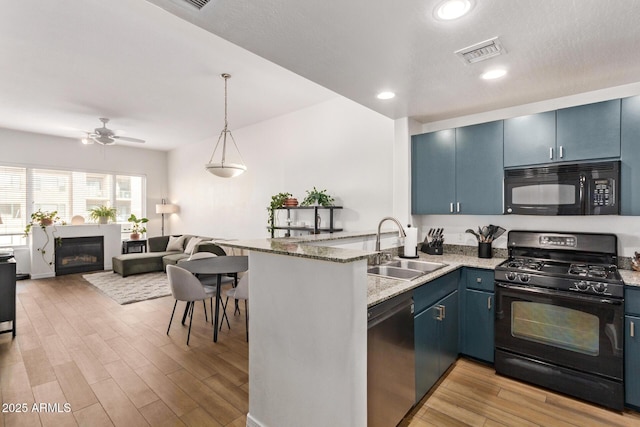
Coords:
478,334
632,361
436,342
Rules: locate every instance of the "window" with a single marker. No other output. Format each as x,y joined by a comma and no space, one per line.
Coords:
69,193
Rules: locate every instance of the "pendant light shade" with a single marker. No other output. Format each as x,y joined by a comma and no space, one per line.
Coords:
222,168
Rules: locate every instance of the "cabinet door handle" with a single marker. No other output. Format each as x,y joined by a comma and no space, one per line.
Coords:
551,153
451,207
439,315
488,303
632,329
478,279
561,152
458,207
444,311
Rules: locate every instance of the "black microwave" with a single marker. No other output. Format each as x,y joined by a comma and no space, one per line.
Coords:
563,189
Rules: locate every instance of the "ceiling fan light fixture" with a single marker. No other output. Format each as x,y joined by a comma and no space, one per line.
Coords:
222,168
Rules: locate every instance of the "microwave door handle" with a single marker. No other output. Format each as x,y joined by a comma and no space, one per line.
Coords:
583,202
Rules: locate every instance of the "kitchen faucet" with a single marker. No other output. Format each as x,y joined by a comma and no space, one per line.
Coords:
401,232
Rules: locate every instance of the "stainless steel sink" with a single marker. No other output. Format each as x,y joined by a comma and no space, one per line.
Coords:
425,266
404,269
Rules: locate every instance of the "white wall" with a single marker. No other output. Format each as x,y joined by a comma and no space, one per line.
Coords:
626,228
337,145
24,148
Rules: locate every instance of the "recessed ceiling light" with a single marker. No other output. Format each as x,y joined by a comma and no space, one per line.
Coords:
386,95
452,9
494,74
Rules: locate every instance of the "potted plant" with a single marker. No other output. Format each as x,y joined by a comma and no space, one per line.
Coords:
277,201
102,214
137,227
44,219
317,197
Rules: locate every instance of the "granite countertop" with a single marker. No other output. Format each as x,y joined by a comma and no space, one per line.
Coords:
630,277
380,289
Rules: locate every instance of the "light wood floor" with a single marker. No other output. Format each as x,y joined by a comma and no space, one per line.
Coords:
114,365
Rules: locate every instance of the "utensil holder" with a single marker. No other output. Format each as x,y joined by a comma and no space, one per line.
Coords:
484,250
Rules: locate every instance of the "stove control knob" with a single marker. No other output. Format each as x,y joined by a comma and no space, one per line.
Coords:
599,287
511,276
524,278
582,285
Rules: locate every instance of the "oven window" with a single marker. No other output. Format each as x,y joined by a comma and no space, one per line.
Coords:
556,326
544,194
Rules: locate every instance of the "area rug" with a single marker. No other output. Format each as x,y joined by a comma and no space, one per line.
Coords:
125,290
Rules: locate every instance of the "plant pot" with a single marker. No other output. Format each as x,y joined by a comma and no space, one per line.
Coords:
134,236
103,220
46,222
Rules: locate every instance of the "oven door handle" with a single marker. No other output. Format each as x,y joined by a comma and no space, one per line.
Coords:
545,291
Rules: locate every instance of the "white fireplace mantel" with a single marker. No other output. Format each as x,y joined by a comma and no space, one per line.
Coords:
40,265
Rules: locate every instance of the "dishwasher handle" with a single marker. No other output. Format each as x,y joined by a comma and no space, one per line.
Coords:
381,312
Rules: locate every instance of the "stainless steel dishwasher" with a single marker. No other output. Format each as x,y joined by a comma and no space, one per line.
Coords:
391,390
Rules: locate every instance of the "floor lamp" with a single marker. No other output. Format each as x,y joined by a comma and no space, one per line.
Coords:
165,208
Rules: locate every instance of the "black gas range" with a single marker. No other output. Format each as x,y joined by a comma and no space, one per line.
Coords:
560,314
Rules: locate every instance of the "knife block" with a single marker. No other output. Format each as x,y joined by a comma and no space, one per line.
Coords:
431,250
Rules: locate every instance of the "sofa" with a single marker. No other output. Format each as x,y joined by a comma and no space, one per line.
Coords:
158,257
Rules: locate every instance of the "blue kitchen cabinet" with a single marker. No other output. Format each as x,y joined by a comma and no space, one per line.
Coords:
529,140
632,346
436,331
433,180
479,171
458,171
630,156
477,334
587,132
632,361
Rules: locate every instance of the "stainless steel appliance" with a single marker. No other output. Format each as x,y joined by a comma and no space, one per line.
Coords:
391,389
560,314
564,189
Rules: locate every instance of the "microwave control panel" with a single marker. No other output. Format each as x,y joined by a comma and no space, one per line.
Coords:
603,192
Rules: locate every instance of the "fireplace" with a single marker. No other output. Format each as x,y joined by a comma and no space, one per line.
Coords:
79,254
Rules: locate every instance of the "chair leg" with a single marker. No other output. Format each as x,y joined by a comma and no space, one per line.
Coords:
186,312
211,304
205,311
237,310
172,313
190,322
224,314
246,318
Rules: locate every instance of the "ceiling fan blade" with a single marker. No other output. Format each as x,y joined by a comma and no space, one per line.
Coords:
126,138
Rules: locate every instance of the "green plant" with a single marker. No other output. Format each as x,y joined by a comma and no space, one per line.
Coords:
41,218
138,224
102,212
317,196
44,219
277,201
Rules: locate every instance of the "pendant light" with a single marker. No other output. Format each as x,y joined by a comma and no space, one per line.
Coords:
222,168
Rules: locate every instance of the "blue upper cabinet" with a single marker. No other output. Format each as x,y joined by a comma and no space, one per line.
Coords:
458,171
589,131
529,140
433,179
479,173
585,132
630,156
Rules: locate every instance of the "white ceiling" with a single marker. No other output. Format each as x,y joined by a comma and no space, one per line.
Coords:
64,64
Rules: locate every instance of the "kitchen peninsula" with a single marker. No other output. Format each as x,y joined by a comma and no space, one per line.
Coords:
308,327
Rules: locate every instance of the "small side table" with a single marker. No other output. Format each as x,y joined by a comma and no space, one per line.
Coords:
134,246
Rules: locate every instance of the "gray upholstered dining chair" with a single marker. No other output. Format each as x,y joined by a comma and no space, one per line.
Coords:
240,292
186,287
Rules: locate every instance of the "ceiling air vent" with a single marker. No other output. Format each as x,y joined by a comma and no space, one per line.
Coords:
198,3
481,51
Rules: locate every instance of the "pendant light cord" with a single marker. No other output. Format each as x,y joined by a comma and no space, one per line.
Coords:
225,130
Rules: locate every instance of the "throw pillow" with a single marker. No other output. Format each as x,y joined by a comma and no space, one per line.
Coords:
175,243
191,245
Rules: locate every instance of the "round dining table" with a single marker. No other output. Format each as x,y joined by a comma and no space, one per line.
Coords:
217,265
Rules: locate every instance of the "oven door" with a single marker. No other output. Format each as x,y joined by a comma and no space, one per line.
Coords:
572,330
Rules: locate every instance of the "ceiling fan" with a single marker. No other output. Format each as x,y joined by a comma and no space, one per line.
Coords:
106,136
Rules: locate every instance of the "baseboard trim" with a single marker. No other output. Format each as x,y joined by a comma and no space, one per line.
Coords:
252,422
